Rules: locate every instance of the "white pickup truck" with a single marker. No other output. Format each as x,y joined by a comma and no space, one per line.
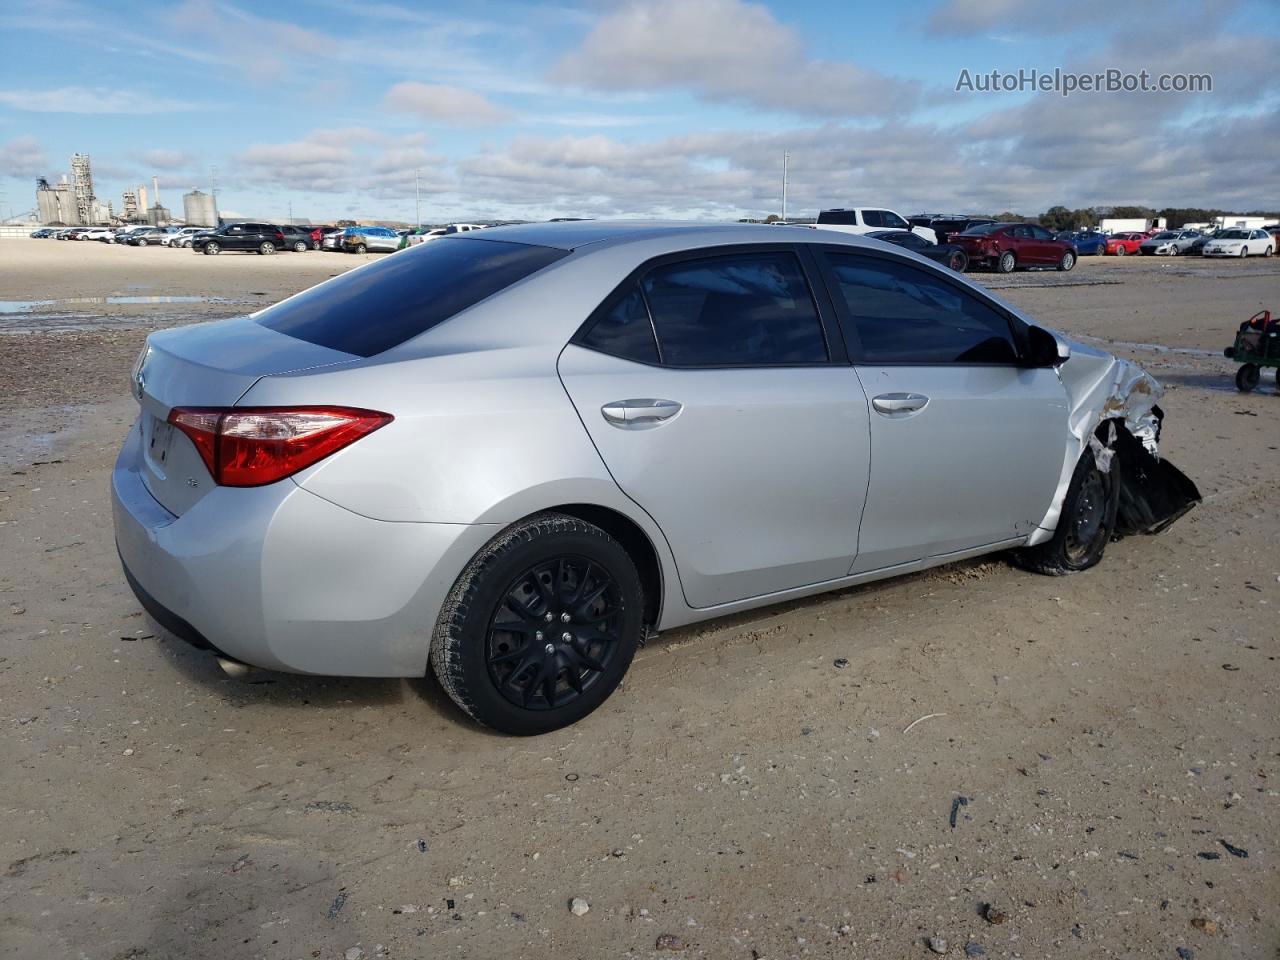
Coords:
868,220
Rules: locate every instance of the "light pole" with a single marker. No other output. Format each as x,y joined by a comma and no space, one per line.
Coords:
785,157
417,198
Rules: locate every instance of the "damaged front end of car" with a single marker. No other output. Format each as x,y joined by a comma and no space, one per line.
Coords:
1114,410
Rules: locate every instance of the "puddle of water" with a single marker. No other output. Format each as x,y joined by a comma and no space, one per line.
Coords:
31,306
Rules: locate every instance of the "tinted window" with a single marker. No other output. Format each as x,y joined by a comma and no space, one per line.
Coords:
891,219
623,329
842,218
906,315
873,218
982,229
748,309
374,308
1040,233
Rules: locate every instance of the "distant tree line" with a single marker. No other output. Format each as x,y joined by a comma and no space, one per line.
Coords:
1062,218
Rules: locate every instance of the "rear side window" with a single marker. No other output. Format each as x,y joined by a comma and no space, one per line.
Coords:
377,307
904,314
873,218
751,309
623,329
840,218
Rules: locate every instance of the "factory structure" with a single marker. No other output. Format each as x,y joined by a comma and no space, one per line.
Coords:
72,202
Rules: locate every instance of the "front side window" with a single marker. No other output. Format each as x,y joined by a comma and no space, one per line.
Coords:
904,314
750,309
891,219
1040,233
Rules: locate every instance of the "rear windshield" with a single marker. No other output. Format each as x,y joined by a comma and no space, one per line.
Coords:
982,229
380,306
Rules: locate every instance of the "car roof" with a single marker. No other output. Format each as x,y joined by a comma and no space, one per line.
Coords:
573,235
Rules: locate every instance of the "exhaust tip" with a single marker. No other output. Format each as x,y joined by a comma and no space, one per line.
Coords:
234,668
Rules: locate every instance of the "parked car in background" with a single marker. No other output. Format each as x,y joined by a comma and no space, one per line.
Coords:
262,238
1006,247
298,239
1123,244
41,234
1239,242
944,228
331,237
91,233
423,234
866,219
369,240
149,236
949,254
182,237
1168,242
1088,243
431,463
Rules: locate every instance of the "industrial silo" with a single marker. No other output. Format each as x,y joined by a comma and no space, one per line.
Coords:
200,209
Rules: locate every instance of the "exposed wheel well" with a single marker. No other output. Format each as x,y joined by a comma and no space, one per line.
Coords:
635,541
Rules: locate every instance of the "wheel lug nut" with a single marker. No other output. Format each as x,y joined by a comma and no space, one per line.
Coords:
549,616
564,617
567,637
550,648
537,635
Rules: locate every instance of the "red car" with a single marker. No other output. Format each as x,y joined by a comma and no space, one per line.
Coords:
1008,246
1120,244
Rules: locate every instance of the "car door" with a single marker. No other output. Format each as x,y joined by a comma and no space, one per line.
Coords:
967,444
1044,248
716,389
233,237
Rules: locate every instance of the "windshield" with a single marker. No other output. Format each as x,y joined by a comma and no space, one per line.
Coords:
1233,235
982,229
1166,235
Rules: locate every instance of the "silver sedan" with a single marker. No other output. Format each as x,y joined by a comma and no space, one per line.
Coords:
511,456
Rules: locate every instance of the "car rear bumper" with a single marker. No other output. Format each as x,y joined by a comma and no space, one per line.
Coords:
280,578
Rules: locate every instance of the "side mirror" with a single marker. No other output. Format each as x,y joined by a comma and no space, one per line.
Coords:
1044,349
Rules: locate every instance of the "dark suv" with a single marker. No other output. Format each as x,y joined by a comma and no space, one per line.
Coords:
263,238
1008,246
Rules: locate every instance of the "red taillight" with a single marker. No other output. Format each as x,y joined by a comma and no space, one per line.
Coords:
252,446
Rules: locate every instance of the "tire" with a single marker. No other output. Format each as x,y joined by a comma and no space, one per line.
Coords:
526,579
1244,250
141,242
361,248
1121,251
1268,252
1247,377
211,248
959,261
1173,251
300,247
266,248
1085,527
1007,262
1067,262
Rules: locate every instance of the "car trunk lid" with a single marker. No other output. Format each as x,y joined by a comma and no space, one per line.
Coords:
207,365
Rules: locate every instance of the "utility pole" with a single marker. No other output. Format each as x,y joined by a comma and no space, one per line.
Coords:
291,213
417,198
785,157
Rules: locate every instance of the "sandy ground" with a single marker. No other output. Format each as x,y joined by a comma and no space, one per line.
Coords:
1115,734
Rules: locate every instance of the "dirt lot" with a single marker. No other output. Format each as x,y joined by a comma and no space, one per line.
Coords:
1101,751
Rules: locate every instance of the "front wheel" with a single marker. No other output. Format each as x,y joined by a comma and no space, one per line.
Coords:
1085,526
1068,261
361,248
1247,377
540,627
142,243
1244,250
1007,262
1121,251
266,249
300,247
211,248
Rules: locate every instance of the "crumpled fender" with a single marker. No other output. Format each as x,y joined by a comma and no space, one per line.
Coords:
1113,406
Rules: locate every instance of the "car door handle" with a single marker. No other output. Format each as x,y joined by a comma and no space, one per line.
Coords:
899,404
639,413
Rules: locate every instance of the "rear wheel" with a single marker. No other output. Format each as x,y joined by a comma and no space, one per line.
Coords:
541,626
1121,251
1085,526
211,248
1068,261
1268,252
959,261
266,248
1007,262
1247,377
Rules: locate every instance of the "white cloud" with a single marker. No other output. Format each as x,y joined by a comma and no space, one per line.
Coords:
162,159
94,100
445,104
23,157
728,50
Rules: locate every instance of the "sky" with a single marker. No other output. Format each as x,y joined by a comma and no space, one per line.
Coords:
496,109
